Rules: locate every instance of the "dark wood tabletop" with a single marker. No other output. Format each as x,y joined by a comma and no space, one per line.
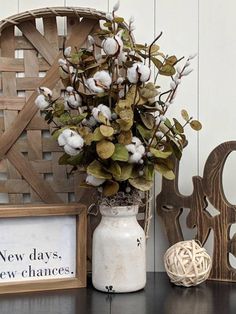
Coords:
159,297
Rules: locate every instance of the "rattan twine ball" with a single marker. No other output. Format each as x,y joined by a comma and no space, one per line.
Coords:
187,263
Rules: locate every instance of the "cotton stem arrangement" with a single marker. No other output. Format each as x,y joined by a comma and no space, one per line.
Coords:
111,119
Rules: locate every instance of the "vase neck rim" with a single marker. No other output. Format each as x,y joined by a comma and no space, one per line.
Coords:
121,211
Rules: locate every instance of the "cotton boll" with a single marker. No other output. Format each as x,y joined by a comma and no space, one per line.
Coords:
95,112
45,91
141,149
135,158
137,72
106,111
98,57
70,150
63,64
112,45
70,89
136,141
132,74
91,84
72,101
61,140
122,57
41,102
65,134
145,72
101,24
91,180
75,141
103,77
67,52
120,80
131,148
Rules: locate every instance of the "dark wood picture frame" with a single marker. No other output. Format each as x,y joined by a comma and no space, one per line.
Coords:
41,210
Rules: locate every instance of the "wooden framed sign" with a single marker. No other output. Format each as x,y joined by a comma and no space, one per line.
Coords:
42,247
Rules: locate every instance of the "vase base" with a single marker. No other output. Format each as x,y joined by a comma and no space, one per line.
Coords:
119,289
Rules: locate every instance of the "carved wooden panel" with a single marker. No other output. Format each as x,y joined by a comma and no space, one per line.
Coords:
207,190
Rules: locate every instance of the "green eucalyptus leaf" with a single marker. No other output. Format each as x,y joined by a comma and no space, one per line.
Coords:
177,150
178,126
118,19
114,169
145,133
97,135
196,125
121,153
96,169
167,70
158,64
58,109
105,149
171,60
79,118
148,120
106,130
160,154
126,172
65,118
185,115
76,160
149,172
141,183
165,171
110,188
63,160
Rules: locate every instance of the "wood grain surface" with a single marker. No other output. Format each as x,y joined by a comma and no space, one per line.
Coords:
208,190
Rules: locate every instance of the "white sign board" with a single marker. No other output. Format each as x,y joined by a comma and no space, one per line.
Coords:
42,247
37,248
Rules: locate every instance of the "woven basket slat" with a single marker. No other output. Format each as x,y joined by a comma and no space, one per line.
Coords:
50,31
9,89
38,41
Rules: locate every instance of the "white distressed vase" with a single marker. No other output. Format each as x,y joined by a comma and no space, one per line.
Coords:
119,251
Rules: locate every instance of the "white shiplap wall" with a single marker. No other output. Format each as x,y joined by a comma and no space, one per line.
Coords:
206,27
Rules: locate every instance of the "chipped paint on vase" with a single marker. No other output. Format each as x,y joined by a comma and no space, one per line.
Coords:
119,251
